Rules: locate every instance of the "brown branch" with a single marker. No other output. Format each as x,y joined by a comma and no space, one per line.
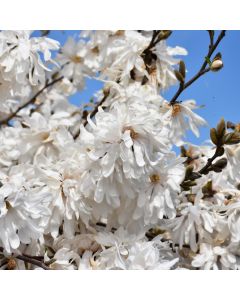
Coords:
203,69
30,101
210,161
153,41
33,261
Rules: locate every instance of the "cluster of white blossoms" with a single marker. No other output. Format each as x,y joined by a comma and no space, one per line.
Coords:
101,187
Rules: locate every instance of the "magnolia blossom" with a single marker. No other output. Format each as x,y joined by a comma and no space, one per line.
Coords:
180,117
99,185
23,216
19,56
214,258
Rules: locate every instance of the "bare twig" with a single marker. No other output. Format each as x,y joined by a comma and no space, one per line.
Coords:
202,70
33,261
210,161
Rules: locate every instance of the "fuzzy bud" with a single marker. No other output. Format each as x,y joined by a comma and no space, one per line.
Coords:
216,65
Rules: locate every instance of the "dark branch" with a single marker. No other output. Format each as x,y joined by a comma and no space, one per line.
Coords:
33,261
203,69
210,161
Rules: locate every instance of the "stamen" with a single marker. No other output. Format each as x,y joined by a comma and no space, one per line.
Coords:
155,178
176,109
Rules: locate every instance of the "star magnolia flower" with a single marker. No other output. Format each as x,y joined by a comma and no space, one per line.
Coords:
44,136
192,220
164,74
23,216
19,56
126,134
214,258
180,117
157,198
71,58
67,203
145,256
127,56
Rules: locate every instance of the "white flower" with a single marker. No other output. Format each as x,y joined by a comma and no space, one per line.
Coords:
67,203
19,56
193,221
71,58
158,197
145,256
179,117
208,258
127,134
164,74
23,216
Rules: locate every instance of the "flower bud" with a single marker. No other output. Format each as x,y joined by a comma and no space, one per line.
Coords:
221,128
232,138
216,65
213,135
221,163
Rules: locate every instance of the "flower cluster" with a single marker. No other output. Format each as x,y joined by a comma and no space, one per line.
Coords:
102,187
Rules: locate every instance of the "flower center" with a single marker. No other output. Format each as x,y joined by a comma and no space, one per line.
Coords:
176,109
119,33
95,50
8,205
133,134
155,178
76,59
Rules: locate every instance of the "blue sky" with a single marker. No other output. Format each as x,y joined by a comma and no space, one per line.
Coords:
217,91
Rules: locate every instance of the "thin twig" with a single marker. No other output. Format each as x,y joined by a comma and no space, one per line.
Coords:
12,115
33,261
202,70
209,161
152,42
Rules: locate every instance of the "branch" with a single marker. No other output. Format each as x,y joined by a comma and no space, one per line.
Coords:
12,115
33,261
203,69
209,161
153,42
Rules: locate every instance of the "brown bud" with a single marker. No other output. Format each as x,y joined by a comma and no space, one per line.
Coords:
216,169
164,34
221,128
179,76
183,151
231,138
106,91
221,163
213,135
207,188
189,171
231,125
182,68
195,175
188,184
